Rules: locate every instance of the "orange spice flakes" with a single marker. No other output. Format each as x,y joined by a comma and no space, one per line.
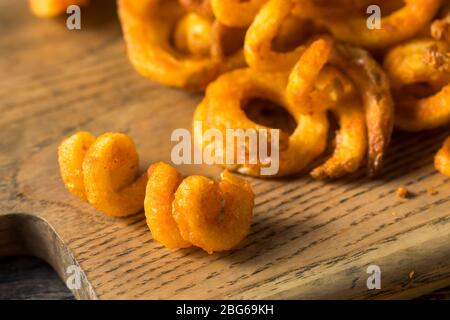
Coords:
402,192
432,192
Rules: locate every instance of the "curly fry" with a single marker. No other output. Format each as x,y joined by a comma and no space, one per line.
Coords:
420,62
51,8
374,87
335,92
197,210
442,159
103,172
184,212
399,26
236,13
222,109
148,27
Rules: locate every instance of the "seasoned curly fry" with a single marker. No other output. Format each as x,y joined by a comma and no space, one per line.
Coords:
399,26
51,8
420,62
148,26
181,213
163,181
236,13
197,209
222,109
442,159
103,172
373,85
313,85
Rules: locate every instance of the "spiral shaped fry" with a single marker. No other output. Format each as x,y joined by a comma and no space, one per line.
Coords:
184,212
103,172
149,26
399,26
422,66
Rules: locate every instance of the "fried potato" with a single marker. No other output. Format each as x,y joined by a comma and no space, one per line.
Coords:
184,212
103,171
148,27
416,64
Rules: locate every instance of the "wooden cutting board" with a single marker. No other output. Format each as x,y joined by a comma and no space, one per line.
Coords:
309,239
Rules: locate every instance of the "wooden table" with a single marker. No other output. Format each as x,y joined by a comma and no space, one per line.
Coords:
309,239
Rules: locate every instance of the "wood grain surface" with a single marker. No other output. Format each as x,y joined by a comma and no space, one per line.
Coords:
309,239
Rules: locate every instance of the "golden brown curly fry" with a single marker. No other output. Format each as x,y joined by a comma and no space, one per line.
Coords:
419,63
442,159
313,86
103,172
374,88
197,209
222,109
399,26
181,213
148,27
51,8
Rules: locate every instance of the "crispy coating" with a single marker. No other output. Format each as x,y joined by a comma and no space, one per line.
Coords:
198,211
420,62
312,85
51,8
106,169
148,27
397,27
163,181
442,159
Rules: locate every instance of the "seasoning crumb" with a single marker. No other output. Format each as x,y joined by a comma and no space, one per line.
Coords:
432,192
394,214
402,192
411,274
